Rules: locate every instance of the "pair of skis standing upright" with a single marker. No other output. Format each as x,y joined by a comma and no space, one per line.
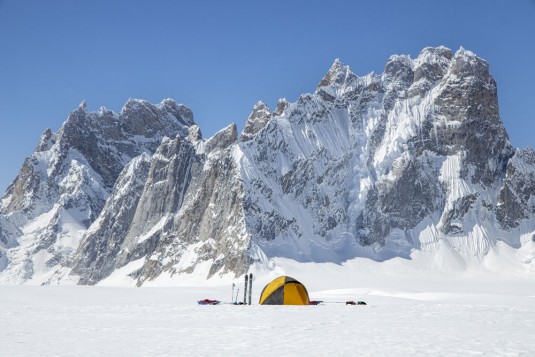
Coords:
248,288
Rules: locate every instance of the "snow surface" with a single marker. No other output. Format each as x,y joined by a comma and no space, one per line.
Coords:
412,310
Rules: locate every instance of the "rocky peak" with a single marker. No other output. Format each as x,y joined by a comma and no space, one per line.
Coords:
194,133
139,117
257,120
466,64
398,66
433,55
259,110
397,77
430,66
337,74
222,139
282,105
338,82
179,111
105,112
47,140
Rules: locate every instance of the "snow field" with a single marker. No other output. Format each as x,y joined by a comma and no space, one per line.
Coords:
479,307
428,317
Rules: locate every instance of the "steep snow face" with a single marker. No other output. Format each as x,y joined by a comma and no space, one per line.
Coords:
379,165
61,189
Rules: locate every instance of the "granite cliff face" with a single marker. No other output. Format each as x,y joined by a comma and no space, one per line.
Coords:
184,210
375,166
62,188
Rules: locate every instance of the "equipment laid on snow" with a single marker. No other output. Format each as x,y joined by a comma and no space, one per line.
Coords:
208,302
284,291
355,303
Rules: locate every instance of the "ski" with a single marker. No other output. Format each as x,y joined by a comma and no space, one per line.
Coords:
245,291
250,287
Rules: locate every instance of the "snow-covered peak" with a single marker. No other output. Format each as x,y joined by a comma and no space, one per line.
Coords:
337,74
194,133
432,55
103,110
469,57
139,117
223,138
464,53
48,138
257,120
133,103
259,109
339,81
467,64
282,105
398,73
396,61
429,68
170,102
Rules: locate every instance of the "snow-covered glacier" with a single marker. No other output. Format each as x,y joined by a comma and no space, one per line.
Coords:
415,159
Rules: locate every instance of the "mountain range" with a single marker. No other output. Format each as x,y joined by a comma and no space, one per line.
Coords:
376,166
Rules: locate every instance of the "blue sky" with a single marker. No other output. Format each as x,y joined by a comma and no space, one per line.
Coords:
220,57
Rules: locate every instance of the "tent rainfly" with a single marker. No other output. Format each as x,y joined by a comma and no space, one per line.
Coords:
284,291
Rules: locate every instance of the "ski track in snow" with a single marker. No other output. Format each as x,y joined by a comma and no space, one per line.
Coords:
111,321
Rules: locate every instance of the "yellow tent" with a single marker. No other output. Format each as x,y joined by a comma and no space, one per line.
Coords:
284,291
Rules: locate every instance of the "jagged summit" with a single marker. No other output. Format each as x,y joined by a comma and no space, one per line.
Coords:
46,141
134,103
257,120
259,109
433,54
337,74
282,105
467,53
412,161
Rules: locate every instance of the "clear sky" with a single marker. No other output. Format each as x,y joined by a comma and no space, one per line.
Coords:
220,57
